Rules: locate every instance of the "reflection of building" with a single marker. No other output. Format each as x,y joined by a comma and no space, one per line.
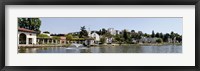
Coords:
26,36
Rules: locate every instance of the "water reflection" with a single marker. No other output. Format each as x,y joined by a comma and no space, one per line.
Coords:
106,49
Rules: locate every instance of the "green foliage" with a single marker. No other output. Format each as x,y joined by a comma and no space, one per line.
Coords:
157,35
43,36
77,39
103,40
69,37
153,34
46,32
83,32
56,37
29,23
159,40
117,37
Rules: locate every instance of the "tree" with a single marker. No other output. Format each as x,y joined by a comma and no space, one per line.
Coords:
56,37
46,32
83,32
172,35
159,40
166,36
29,23
104,31
157,35
69,37
153,34
117,37
132,31
125,35
179,38
161,35
103,40
140,33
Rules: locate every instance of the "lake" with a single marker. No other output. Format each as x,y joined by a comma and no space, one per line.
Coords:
106,49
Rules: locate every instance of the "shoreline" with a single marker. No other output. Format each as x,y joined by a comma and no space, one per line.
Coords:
101,45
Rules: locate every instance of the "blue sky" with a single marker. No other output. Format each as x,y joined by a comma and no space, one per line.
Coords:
146,25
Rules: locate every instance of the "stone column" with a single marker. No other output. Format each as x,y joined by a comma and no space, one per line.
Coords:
26,41
60,42
47,41
56,41
52,41
43,41
64,41
38,40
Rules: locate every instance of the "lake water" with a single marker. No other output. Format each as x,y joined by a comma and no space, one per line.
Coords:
106,49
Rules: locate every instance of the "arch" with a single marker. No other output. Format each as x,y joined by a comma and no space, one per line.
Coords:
22,38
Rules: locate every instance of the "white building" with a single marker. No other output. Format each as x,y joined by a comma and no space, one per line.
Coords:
95,36
26,36
112,31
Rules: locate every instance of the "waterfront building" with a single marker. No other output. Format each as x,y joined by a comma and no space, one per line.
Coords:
52,40
26,36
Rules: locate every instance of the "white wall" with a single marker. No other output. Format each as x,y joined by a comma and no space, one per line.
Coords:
33,36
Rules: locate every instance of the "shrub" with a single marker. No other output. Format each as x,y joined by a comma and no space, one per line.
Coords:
159,40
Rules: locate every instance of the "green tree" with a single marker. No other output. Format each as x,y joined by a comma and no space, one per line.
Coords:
46,32
161,35
69,37
166,36
56,37
29,23
153,34
159,40
83,32
103,39
157,35
104,31
172,35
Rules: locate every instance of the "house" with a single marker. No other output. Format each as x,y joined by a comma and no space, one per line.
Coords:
96,37
26,36
93,39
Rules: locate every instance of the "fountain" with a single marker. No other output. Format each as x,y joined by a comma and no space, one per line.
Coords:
76,45
76,48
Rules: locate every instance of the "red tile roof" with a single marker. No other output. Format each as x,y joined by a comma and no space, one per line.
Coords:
26,30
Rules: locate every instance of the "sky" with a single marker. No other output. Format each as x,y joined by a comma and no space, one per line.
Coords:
146,25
